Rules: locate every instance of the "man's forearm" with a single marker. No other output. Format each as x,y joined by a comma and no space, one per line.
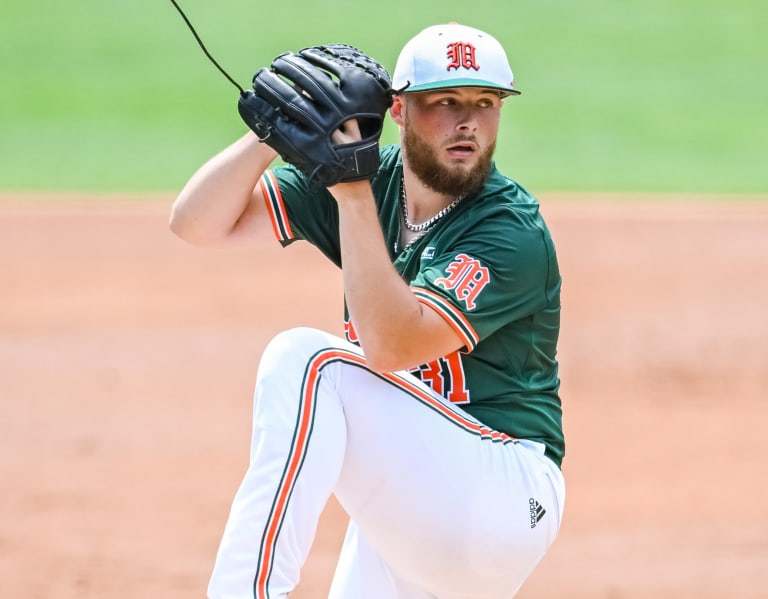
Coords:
395,330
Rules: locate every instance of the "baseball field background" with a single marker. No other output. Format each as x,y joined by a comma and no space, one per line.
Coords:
127,358
641,96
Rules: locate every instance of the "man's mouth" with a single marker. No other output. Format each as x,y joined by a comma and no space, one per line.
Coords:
463,149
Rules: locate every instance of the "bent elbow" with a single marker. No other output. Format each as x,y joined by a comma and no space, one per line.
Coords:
382,358
184,228
180,230
176,225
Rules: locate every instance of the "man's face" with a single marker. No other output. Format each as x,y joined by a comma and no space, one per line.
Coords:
449,137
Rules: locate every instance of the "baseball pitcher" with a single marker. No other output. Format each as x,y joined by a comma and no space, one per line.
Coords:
437,421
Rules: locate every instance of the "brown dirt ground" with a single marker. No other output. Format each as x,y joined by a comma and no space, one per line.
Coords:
127,360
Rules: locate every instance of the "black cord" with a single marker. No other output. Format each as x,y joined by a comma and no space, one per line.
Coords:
205,50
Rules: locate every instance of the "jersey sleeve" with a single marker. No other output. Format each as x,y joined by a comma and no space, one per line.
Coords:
299,211
501,270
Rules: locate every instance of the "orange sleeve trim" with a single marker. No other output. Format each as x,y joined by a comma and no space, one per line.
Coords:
451,314
270,191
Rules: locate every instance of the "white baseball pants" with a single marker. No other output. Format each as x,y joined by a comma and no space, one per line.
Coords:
440,505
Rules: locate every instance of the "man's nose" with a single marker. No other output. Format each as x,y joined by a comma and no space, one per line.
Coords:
467,120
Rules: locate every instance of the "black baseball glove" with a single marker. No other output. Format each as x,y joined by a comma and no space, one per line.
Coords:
302,98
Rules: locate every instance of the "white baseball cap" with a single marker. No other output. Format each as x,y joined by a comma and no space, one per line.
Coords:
453,55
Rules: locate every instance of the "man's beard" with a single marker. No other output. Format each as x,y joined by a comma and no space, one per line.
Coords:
454,182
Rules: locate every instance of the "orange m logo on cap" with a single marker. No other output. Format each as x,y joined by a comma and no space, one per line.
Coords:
461,55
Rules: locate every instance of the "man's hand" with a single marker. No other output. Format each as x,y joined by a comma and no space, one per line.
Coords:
304,107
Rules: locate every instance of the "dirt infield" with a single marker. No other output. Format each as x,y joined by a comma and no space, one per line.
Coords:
127,360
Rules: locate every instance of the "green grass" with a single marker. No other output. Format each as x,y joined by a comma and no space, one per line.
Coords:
647,95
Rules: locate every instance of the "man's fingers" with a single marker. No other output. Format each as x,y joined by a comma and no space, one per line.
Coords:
349,132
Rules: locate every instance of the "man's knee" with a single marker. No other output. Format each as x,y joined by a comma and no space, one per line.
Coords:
298,344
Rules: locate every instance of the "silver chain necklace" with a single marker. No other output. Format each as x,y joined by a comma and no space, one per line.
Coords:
428,224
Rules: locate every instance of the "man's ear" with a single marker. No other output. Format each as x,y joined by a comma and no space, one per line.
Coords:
397,110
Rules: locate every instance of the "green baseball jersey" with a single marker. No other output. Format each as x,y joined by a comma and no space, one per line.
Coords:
489,267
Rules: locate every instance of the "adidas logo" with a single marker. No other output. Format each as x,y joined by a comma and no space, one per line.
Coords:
536,510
